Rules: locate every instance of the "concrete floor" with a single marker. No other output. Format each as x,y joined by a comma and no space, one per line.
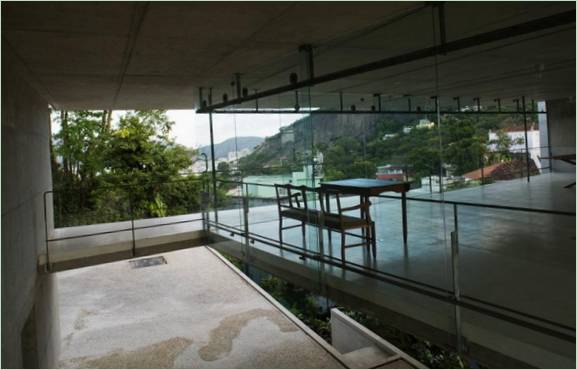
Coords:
193,312
520,260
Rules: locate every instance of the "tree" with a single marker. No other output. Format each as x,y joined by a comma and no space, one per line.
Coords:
113,173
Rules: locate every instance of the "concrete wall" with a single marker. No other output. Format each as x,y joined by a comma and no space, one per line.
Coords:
30,330
561,126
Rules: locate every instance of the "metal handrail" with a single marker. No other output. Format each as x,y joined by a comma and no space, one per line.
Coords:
132,227
440,201
451,296
418,287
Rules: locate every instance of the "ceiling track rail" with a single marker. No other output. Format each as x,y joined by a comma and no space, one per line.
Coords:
521,29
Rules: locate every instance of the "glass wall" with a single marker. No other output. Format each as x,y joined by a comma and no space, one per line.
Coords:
474,224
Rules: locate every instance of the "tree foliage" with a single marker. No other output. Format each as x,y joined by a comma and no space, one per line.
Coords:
109,173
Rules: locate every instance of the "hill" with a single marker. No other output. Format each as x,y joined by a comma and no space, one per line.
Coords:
222,149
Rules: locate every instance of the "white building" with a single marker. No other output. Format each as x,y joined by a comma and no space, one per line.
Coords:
517,136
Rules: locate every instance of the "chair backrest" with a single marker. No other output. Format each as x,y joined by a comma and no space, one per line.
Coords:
292,196
326,195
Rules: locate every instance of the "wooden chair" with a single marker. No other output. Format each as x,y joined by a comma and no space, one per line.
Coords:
292,204
342,223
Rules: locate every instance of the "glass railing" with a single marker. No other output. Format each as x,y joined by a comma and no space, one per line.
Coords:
122,219
466,261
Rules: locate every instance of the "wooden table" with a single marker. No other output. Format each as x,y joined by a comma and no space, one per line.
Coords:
366,188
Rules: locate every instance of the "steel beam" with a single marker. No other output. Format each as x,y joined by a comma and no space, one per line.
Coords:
521,29
325,111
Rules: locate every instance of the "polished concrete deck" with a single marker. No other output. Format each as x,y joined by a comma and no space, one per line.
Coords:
520,260
193,312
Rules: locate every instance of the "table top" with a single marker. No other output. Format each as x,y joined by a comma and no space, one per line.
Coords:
366,186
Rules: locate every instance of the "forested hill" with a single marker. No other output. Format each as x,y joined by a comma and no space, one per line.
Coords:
222,149
319,131
355,145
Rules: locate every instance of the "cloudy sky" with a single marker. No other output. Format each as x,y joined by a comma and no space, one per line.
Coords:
192,130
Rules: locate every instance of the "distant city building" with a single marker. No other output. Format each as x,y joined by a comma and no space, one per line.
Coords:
304,177
390,172
517,136
233,156
425,123
389,136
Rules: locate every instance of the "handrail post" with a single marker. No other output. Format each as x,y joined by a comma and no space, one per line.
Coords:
245,209
456,285
246,264
527,154
48,268
131,206
212,160
204,199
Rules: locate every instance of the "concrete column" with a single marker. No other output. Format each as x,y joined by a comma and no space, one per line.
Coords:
561,128
30,330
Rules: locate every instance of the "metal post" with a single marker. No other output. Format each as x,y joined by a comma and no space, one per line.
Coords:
245,209
527,155
47,268
214,195
131,206
456,286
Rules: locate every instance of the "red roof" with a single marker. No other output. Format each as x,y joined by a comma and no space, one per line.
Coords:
487,171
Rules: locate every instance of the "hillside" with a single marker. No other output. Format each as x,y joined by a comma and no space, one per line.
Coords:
222,149
325,128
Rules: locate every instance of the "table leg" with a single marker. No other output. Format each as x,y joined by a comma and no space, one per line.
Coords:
363,216
404,211
328,208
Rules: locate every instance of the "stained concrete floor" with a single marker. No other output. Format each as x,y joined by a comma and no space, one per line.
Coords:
519,260
193,312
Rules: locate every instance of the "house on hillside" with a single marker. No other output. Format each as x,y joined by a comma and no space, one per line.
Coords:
517,136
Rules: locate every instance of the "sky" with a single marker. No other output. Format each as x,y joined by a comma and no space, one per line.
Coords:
192,130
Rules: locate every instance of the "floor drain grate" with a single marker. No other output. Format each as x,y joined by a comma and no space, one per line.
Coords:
147,262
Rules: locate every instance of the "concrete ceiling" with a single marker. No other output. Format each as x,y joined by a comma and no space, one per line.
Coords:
123,55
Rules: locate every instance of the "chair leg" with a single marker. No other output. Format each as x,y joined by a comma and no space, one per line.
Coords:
343,247
280,231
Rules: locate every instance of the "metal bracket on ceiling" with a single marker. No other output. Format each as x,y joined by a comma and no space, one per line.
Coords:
478,101
297,106
237,85
435,98
458,100
307,61
517,104
379,104
201,102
